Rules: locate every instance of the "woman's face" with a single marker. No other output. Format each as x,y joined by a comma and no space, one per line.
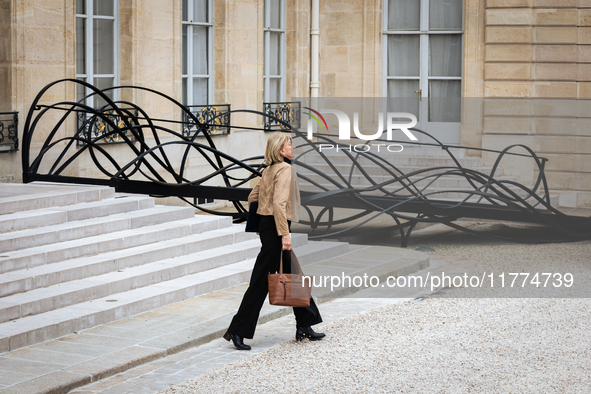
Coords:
287,150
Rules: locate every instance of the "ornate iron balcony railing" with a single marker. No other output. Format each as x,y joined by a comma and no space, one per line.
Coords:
215,119
94,128
8,131
288,112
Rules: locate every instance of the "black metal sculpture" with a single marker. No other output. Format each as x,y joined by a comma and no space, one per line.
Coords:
408,193
152,169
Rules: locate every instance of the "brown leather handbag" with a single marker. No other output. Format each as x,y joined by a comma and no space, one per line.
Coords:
290,289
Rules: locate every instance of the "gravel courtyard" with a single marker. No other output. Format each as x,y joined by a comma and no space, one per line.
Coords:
442,344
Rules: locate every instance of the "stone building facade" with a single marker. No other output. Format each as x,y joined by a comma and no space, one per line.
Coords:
521,49
541,49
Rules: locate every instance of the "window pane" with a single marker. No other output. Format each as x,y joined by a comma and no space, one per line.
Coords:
81,6
80,90
104,7
275,90
200,11
80,46
445,14
403,55
404,14
275,12
445,55
402,96
185,50
185,92
274,55
199,50
103,47
185,10
200,91
103,83
445,103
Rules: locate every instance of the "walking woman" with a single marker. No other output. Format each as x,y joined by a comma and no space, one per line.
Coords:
274,195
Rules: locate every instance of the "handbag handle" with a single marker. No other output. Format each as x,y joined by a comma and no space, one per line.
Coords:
296,264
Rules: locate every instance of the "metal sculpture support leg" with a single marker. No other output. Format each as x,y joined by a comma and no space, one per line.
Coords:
404,242
411,224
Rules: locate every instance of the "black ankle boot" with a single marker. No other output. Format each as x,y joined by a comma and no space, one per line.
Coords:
307,332
236,340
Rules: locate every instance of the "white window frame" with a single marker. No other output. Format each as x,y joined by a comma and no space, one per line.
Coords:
451,129
89,49
210,63
267,73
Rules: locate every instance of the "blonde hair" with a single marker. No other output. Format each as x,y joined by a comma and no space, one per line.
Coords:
274,146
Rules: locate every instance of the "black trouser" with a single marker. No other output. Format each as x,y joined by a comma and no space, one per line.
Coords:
245,321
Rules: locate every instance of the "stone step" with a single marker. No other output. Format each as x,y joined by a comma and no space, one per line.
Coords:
62,214
469,162
554,201
56,323
78,268
103,208
420,151
447,181
365,262
435,193
94,226
39,195
408,150
118,240
216,249
375,170
313,252
31,219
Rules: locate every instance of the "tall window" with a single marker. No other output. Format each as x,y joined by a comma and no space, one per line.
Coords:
96,47
197,52
274,75
423,59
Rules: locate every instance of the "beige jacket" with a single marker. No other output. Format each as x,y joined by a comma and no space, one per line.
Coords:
278,195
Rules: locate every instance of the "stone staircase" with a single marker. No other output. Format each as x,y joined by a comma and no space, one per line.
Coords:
74,257
447,187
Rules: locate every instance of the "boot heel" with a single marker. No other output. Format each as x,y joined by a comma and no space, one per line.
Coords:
299,337
307,332
236,340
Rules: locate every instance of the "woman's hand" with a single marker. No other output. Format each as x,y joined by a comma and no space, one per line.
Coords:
286,242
